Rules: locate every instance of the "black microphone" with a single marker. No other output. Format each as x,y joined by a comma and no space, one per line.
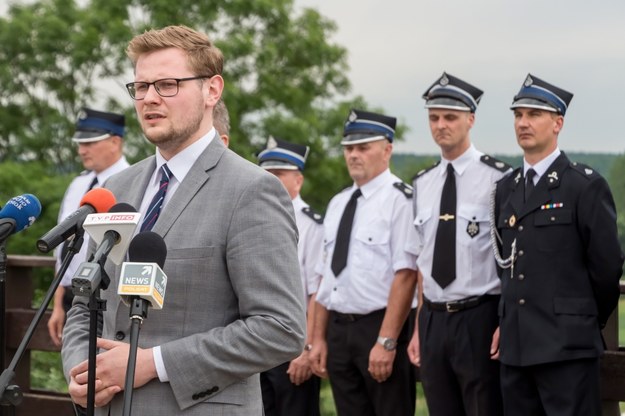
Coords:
88,277
96,200
142,276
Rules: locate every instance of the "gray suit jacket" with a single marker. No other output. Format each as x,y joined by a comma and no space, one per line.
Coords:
233,304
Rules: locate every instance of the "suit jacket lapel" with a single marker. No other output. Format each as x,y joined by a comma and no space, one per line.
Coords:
198,175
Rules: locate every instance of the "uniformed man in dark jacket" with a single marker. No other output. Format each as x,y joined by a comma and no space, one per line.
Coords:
560,264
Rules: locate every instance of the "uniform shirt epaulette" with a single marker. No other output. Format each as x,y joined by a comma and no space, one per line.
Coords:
495,163
315,216
404,188
426,170
585,170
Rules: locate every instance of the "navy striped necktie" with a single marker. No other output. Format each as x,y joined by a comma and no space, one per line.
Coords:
157,202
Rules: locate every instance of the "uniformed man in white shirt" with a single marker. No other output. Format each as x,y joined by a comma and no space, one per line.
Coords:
362,324
458,282
291,388
99,136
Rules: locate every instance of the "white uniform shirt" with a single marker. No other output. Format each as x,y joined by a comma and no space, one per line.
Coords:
475,265
309,246
376,247
71,202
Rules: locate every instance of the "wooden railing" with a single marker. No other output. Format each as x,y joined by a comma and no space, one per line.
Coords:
19,314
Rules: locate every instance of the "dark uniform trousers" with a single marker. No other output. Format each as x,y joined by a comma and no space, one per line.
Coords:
283,398
350,339
457,373
536,390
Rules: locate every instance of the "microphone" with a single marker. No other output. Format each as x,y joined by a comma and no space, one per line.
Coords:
96,200
115,227
111,231
19,213
142,276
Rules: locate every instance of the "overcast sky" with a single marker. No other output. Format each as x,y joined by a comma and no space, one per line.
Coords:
398,48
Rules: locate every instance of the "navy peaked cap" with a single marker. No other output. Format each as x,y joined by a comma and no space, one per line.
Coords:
452,93
364,126
281,154
93,126
536,93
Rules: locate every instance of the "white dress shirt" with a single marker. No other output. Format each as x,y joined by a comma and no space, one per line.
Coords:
541,167
475,266
376,247
71,202
309,247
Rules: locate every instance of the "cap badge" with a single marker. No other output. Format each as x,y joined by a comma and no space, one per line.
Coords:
444,80
82,115
271,143
352,117
528,81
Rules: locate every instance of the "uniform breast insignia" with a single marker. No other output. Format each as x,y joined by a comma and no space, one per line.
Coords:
552,206
495,163
473,228
315,216
517,178
512,220
404,188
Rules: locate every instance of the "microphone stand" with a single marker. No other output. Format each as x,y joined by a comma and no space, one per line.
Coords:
96,307
12,394
138,312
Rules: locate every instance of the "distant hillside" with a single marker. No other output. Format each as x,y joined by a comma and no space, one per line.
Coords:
406,165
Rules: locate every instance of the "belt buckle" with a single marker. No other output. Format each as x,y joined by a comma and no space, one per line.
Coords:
452,307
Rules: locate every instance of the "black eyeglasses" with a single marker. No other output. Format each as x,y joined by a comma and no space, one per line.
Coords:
166,87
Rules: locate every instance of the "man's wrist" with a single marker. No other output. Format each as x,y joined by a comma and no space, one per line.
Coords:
389,344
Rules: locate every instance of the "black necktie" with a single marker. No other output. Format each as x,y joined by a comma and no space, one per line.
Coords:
93,183
529,183
339,258
157,202
444,262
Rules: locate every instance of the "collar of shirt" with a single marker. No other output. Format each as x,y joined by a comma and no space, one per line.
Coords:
373,185
461,163
541,167
181,163
298,203
116,167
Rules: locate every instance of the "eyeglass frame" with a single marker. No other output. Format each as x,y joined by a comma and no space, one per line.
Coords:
153,83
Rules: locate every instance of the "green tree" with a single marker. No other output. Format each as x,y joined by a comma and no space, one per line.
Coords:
283,76
616,179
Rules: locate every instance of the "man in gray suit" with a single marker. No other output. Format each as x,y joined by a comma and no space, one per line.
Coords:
234,297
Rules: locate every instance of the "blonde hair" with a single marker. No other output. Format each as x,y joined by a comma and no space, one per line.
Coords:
203,56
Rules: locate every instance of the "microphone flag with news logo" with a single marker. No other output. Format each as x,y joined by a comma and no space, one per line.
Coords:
19,213
96,200
122,219
143,276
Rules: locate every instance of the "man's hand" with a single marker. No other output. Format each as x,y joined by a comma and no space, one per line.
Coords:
299,369
413,348
56,323
494,345
317,357
110,372
381,363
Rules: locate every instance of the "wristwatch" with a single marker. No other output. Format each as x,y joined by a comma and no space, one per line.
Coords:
389,344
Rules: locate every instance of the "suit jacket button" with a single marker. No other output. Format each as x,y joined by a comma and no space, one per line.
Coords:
520,228
215,389
521,276
119,335
195,397
521,302
521,252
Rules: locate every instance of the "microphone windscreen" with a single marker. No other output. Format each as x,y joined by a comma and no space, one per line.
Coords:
101,199
24,209
122,207
148,247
